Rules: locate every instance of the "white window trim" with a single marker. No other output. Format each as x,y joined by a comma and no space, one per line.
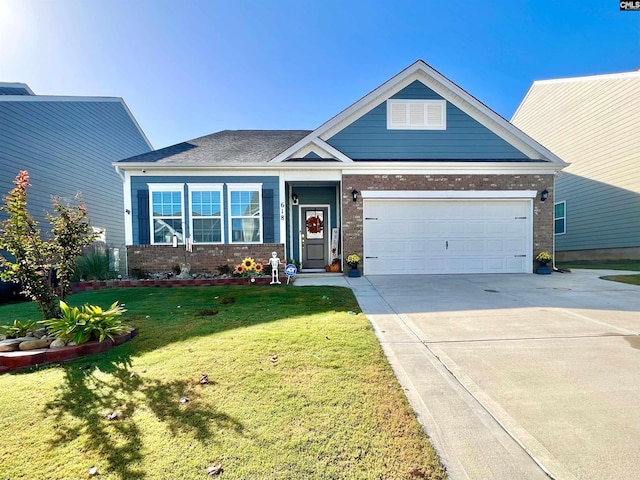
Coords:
165,187
564,218
243,187
206,187
407,125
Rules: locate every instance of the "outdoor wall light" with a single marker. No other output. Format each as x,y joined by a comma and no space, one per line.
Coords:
175,240
544,194
354,194
294,199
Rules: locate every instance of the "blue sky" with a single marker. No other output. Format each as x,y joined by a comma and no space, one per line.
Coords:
188,68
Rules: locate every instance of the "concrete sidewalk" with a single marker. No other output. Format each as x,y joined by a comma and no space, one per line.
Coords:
505,371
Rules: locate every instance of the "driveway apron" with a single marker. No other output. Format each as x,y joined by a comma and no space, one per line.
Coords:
516,376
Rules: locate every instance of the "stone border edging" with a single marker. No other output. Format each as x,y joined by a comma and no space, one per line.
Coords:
77,287
11,361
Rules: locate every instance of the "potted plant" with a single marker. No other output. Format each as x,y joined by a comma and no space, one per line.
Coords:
543,259
353,261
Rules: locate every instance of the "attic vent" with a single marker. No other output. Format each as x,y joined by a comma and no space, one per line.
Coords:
416,114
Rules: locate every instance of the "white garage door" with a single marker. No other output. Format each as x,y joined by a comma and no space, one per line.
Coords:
419,236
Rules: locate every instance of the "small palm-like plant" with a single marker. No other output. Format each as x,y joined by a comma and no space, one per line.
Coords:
19,328
90,322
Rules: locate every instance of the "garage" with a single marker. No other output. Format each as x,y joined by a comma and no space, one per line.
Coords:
438,235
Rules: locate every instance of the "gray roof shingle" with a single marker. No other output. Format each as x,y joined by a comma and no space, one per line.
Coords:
225,147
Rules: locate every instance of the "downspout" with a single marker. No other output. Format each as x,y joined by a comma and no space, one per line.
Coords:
553,244
120,173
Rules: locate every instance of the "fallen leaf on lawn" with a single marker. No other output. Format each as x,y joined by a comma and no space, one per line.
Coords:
133,374
204,379
112,416
215,470
93,470
273,358
184,400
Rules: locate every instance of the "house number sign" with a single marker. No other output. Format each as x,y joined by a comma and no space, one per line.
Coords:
282,211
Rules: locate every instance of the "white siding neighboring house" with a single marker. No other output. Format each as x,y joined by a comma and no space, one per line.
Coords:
593,123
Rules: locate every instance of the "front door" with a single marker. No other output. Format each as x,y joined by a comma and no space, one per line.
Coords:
313,237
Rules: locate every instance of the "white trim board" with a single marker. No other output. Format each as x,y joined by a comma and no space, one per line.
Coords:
468,194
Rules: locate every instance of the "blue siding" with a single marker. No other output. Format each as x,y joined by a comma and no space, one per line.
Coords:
268,183
313,156
464,139
68,146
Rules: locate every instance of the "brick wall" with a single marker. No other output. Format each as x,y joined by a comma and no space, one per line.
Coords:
352,211
203,259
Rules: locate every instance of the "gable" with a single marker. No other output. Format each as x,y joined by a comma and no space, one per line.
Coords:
463,138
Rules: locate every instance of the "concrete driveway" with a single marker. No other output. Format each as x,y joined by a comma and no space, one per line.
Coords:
517,376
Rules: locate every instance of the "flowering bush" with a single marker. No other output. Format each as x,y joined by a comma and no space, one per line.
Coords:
353,260
544,257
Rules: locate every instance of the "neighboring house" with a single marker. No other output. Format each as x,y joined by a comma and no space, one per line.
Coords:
594,124
417,177
68,144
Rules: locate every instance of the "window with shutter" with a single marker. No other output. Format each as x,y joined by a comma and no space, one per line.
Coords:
416,114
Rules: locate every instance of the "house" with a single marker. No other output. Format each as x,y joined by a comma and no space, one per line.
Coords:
416,177
593,123
68,145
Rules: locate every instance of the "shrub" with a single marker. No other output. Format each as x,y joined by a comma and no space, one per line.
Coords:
225,270
86,323
139,273
19,328
93,266
43,267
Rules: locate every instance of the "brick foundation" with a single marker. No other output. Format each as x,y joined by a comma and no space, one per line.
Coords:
203,258
352,211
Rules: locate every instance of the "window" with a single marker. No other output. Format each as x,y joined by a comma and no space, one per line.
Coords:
245,219
166,212
206,213
560,215
416,114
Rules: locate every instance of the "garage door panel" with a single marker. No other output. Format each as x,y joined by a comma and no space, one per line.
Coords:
436,228
447,236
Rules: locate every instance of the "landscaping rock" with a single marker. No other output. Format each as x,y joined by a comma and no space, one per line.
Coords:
34,344
10,345
39,333
57,343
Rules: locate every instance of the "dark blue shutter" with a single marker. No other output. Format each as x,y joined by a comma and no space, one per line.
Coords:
268,218
144,234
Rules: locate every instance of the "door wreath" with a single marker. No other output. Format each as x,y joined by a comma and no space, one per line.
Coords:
315,224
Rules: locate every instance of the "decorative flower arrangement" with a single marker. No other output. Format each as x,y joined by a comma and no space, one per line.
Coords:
544,257
353,260
249,268
315,224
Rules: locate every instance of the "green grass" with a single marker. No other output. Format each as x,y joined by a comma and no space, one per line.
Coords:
631,265
328,408
629,279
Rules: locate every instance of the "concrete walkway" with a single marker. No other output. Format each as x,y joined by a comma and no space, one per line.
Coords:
515,376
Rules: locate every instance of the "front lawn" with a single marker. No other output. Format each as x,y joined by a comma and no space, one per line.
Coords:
632,265
298,389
